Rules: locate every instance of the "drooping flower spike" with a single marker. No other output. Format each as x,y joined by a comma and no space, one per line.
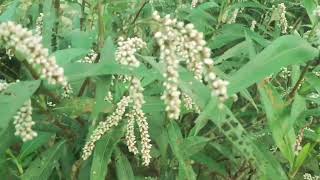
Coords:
177,42
14,36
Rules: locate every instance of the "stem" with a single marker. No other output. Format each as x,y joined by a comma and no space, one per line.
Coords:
82,19
54,41
101,36
139,11
15,160
297,85
304,71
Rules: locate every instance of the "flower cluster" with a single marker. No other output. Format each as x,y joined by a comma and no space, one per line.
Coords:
182,41
23,118
19,39
233,17
253,25
316,12
108,97
104,126
194,3
67,91
308,176
189,104
285,73
125,56
39,24
127,48
283,19
3,85
90,58
130,136
136,94
23,122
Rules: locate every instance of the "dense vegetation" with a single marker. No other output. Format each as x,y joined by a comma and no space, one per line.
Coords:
159,89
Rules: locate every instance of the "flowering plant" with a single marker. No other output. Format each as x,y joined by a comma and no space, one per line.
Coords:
150,89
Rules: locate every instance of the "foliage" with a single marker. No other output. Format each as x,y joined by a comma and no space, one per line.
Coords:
267,128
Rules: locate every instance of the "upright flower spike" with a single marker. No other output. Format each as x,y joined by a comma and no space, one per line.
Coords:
283,19
15,37
39,24
177,39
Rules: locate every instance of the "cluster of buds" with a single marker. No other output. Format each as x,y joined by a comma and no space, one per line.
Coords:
282,16
3,85
253,25
130,136
19,39
90,58
67,91
104,126
177,39
194,3
308,176
297,145
285,73
108,97
127,48
316,12
233,17
23,122
39,24
189,104
23,119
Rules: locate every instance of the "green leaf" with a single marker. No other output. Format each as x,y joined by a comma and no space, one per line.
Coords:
31,146
108,51
313,80
302,156
102,153
42,167
80,39
48,22
77,106
175,141
123,166
10,12
284,51
235,51
193,144
310,6
14,97
210,163
279,121
68,55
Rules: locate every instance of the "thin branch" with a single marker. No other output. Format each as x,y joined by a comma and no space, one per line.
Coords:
301,78
82,19
139,11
